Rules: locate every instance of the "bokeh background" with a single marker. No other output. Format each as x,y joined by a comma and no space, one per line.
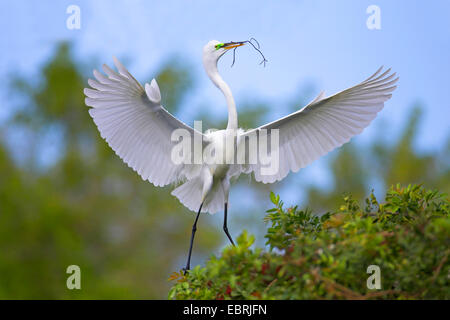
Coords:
65,198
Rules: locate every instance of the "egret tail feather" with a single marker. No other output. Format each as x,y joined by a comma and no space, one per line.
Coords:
190,195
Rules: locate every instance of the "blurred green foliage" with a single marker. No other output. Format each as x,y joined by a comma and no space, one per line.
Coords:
66,198
86,208
327,257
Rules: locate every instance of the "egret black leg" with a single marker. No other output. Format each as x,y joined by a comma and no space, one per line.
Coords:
194,228
225,228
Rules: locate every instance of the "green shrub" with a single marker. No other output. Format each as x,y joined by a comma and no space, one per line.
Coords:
326,257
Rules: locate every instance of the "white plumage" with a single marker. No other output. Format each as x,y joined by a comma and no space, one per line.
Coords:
136,126
327,123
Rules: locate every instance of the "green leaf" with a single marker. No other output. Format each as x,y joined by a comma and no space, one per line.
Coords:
273,198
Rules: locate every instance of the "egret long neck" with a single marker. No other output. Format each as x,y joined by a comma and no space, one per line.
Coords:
215,77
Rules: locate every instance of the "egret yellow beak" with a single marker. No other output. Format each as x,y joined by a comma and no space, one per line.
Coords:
231,45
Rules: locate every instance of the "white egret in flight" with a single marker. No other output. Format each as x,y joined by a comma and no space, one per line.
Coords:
138,128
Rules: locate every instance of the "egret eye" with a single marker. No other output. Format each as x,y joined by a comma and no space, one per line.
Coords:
220,45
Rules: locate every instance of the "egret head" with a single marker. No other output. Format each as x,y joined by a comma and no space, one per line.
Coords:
214,49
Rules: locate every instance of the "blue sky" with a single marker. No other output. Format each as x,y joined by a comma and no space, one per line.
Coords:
324,43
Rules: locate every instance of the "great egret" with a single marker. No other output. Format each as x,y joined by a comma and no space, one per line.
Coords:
138,128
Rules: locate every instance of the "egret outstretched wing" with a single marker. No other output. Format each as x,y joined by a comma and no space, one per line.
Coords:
135,125
326,123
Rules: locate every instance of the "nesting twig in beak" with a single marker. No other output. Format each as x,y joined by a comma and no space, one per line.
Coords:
238,44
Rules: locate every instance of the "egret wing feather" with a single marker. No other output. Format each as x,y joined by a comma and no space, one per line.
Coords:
135,124
326,123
